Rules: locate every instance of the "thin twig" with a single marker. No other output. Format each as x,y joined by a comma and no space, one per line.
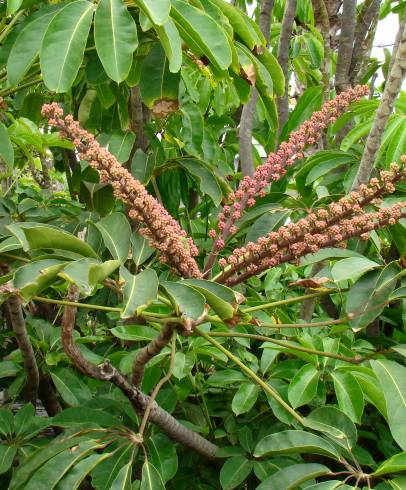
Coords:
155,391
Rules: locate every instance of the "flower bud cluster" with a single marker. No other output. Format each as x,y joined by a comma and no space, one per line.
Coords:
319,229
275,166
162,231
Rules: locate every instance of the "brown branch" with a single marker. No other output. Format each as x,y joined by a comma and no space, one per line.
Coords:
283,58
15,311
367,20
342,78
140,401
325,31
390,93
149,351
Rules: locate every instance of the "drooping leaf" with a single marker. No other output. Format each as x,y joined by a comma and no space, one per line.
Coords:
151,479
295,441
71,388
115,35
105,473
134,332
303,387
123,478
196,26
88,273
116,232
140,249
64,44
291,477
205,177
349,395
392,379
369,295
170,39
245,398
157,10
163,456
138,290
234,472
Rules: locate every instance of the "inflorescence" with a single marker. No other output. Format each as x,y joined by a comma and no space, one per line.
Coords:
162,231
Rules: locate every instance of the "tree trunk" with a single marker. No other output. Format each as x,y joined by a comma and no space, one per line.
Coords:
392,89
345,47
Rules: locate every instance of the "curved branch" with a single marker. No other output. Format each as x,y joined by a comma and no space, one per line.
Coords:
283,59
20,331
140,401
149,351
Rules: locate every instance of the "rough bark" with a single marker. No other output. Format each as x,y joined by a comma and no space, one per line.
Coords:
139,116
46,393
366,23
149,351
345,47
106,372
320,6
391,91
248,111
24,344
396,44
283,59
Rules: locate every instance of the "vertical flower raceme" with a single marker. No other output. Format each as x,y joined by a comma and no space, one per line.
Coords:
275,166
162,231
320,229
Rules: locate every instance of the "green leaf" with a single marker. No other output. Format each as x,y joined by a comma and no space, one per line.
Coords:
245,398
151,479
77,474
187,300
266,223
105,472
274,69
240,24
140,249
138,291
334,159
56,467
116,232
134,332
163,456
6,149
7,454
120,144
352,268
226,377
309,102
26,47
330,485
192,128
38,236
142,166
372,392
8,369
303,387
115,35
64,44
72,390
369,295
123,478
157,83
6,422
156,10
88,273
204,32
392,378
205,176
395,464
171,42
349,395
37,459
36,276
398,483
291,477
295,441
334,423
77,415
13,6
234,472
